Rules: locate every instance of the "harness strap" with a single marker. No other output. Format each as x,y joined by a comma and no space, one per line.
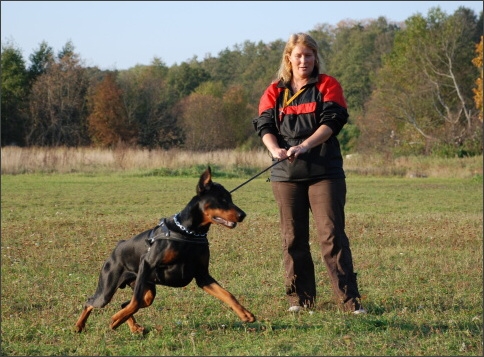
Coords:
167,234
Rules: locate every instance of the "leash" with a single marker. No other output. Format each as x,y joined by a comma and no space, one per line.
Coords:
260,173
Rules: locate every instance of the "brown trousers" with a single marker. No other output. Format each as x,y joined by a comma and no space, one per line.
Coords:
326,200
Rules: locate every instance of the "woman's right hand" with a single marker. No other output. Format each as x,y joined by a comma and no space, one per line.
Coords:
279,153
270,141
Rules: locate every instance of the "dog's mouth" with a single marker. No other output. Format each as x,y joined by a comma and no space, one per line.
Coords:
224,222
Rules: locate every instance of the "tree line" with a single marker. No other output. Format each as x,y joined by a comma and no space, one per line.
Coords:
412,88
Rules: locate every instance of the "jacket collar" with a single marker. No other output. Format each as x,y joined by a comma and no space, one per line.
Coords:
311,80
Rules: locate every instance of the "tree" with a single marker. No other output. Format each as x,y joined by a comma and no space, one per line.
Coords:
213,88
149,101
184,79
237,115
15,90
252,66
357,54
108,121
477,61
424,84
202,121
57,105
40,60
67,51
260,68
324,35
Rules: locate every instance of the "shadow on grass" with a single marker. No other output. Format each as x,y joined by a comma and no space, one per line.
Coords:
394,317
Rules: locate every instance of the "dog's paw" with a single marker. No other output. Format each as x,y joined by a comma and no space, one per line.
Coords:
137,329
248,317
78,328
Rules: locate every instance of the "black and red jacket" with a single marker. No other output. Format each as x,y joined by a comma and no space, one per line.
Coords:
320,102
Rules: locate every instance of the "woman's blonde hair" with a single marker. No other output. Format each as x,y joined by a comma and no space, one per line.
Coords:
285,71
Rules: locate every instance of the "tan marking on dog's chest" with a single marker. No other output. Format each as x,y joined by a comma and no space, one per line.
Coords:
169,256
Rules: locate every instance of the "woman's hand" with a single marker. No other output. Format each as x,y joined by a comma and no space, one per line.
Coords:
272,145
279,153
323,133
295,151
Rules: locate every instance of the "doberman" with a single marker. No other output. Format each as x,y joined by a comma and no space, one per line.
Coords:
172,254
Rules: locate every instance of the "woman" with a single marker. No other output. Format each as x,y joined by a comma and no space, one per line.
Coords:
300,115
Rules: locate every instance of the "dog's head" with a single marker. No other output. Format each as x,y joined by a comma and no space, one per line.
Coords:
216,202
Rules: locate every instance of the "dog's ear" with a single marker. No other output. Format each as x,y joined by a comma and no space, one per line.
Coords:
205,181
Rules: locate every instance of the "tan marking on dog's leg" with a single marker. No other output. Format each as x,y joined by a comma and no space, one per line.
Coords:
220,293
134,326
81,321
126,314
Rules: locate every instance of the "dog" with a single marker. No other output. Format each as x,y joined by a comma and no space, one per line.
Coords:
173,253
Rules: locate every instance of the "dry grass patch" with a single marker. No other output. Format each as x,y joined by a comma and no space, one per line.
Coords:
16,160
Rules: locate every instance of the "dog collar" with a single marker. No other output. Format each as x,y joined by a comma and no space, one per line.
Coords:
167,234
184,229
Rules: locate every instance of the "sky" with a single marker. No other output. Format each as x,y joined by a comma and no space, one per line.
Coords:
122,34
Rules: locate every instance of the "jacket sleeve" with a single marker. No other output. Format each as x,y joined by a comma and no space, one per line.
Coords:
333,110
333,115
265,122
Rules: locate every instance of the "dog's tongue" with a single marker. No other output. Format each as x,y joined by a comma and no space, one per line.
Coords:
224,222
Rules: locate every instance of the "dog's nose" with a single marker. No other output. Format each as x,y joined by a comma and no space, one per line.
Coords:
241,215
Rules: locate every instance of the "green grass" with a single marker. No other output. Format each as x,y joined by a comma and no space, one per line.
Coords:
417,246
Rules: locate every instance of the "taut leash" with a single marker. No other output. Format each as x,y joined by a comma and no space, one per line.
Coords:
260,173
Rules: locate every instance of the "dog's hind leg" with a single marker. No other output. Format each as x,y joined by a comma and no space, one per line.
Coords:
131,321
216,290
129,309
99,299
109,279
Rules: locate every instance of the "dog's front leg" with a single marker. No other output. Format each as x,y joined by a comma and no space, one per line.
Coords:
81,322
143,296
216,290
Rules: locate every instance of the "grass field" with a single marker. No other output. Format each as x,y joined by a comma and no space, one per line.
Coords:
417,246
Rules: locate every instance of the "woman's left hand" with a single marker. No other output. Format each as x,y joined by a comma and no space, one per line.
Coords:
295,151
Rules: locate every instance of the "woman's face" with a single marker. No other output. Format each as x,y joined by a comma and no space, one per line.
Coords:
302,61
